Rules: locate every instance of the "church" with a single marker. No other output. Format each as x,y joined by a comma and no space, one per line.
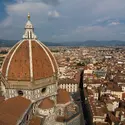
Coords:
29,85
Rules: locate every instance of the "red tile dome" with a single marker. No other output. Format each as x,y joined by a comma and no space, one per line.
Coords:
46,104
29,59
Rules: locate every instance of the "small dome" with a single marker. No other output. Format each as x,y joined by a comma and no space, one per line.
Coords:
46,104
63,96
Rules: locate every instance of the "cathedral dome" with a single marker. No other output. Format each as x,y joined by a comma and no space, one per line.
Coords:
29,59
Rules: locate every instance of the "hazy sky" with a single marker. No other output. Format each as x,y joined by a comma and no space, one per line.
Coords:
64,20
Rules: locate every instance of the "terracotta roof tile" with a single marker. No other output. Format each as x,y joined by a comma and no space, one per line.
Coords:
67,81
46,104
53,58
12,109
6,60
2,99
21,104
113,118
8,119
63,96
35,121
41,62
19,68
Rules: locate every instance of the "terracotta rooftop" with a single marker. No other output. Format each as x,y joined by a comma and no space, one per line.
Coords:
35,121
113,86
8,119
98,109
123,95
12,109
67,81
63,96
90,92
113,118
2,99
46,104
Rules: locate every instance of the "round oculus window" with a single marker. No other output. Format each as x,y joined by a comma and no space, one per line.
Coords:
20,93
43,90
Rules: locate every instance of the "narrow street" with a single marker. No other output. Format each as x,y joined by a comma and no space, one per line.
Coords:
84,103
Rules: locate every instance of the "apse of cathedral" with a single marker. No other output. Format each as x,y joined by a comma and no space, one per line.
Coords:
30,89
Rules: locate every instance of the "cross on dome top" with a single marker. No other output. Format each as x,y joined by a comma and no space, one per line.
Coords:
29,30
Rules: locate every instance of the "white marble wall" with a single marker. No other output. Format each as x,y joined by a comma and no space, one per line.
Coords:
69,87
46,112
33,95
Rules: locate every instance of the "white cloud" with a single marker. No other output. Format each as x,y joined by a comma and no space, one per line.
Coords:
114,23
53,14
103,19
20,9
78,19
83,29
48,2
17,17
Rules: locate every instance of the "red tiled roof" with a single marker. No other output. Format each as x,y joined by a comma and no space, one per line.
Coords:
63,96
35,121
46,104
12,109
123,95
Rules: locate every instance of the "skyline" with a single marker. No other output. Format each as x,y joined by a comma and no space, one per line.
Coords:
61,20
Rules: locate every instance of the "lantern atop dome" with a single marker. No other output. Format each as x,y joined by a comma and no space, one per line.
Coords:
29,30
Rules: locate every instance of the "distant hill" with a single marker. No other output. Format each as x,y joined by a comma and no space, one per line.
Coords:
104,43
94,43
10,43
7,43
89,43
